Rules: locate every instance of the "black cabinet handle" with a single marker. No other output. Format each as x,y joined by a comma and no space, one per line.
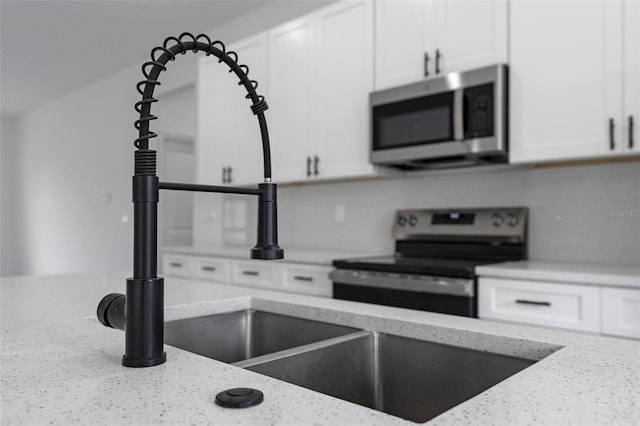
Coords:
438,56
631,124
230,178
426,64
316,162
612,126
224,175
302,278
175,265
308,166
532,302
251,273
209,268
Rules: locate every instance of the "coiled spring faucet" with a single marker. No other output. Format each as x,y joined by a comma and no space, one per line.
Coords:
141,312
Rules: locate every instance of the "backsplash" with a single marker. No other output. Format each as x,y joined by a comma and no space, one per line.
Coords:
585,214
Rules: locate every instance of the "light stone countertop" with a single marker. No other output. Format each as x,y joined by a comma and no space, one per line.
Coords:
60,366
590,274
297,255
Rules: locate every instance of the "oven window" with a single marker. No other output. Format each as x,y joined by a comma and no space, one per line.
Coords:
413,122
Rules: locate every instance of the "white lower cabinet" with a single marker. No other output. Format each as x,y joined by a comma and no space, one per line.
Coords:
177,266
598,309
211,269
621,312
290,277
253,273
307,279
567,306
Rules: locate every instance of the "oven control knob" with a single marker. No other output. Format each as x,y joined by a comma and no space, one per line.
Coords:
512,219
413,221
402,221
497,219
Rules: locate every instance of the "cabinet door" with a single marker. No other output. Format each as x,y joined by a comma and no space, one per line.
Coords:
213,153
290,79
551,304
253,273
174,265
565,79
211,269
470,33
621,312
344,80
400,41
245,140
631,40
306,279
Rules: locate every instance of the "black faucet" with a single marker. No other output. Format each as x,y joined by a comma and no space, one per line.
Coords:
140,313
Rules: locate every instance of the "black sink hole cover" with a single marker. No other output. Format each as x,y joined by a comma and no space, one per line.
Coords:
239,398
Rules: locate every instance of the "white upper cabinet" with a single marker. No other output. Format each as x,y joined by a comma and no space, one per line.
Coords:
229,142
470,33
247,168
291,56
320,76
631,94
417,39
340,139
401,35
210,123
565,80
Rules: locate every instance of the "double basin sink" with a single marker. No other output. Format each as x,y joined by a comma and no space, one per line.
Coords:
409,378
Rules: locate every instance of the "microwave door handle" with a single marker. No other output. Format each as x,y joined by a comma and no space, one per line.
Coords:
458,115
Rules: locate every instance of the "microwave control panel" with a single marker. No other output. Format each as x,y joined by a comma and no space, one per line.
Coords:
479,115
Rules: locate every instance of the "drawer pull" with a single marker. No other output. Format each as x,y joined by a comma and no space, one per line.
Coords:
209,268
251,273
532,302
175,265
612,126
303,278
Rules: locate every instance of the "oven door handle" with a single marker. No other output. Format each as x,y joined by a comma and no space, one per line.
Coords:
405,282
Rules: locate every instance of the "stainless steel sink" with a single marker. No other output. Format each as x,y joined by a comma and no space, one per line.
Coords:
241,335
412,379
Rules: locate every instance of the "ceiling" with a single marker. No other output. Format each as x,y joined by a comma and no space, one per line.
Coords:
49,48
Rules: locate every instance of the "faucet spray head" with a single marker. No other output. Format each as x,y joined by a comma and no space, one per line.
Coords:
267,247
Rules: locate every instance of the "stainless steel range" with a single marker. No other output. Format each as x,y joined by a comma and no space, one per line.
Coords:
433,268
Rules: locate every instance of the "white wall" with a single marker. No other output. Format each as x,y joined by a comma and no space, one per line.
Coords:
11,249
76,168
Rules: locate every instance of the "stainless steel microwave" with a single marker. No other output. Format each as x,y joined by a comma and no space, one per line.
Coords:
452,120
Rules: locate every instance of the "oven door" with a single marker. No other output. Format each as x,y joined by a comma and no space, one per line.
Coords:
453,296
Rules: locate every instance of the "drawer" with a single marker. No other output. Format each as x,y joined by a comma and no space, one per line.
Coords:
621,312
574,307
211,269
177,266
307,279
253,273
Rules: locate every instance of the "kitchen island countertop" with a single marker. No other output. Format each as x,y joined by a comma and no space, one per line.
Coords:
60,366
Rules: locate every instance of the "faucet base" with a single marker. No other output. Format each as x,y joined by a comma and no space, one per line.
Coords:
136,362
144,327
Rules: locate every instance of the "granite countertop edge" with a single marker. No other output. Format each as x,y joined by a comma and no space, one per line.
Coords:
588,274
294,255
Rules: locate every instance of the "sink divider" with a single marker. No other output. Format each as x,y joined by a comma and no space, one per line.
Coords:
251,362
